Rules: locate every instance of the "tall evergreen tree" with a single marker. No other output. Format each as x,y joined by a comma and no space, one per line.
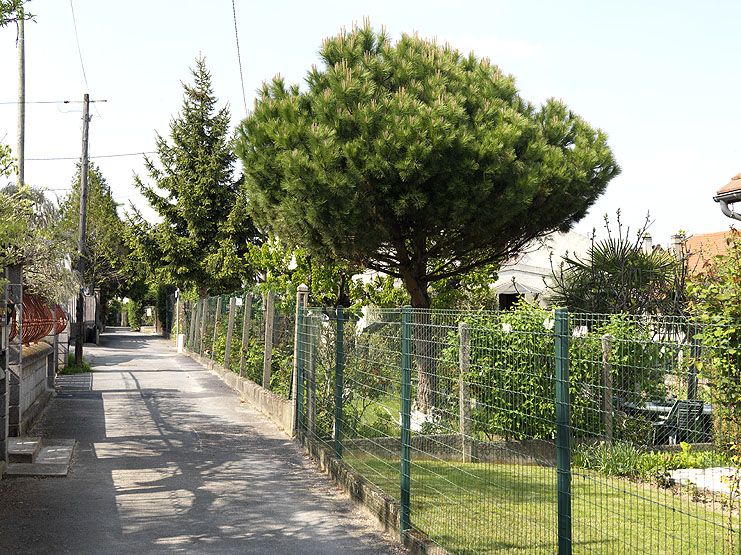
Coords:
204,231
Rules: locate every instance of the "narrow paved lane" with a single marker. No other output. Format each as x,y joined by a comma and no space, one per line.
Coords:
170,461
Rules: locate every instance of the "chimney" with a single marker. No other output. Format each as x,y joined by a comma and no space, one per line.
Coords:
678,244
647,243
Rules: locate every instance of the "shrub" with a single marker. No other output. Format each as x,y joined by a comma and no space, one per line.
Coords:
513,366
716,295
628,460
134,309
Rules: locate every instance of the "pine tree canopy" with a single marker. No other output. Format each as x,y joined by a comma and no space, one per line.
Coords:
413,159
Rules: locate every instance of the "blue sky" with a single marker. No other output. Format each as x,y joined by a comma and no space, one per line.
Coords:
661,78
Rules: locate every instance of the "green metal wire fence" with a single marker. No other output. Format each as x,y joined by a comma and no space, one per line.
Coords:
232,330
532,431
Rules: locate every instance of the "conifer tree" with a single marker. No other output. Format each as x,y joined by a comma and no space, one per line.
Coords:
204,229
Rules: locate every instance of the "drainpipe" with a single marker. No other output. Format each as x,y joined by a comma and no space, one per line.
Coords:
725,200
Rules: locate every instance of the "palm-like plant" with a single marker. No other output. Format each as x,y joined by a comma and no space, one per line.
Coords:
618,274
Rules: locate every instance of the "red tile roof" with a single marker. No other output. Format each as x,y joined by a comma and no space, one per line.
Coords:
732,186
703,247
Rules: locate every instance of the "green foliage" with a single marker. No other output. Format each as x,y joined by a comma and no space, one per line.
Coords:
135,313
282,269
162,295
30,234
379,291
16,211
107,255
114,309
12,10
205,232
716,300
626,459
414,160
7,162
618,275
512,365
72,368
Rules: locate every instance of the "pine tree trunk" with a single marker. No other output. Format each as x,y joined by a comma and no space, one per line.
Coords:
425,351
425,346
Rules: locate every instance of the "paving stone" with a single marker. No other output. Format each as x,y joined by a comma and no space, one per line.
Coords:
23,449
36,469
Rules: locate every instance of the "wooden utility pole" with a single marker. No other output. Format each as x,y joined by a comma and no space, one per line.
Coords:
21,99
80,339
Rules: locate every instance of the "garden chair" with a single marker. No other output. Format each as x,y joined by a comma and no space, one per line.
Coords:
680,424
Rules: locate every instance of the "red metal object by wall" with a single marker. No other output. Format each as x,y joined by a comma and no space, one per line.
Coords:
38,320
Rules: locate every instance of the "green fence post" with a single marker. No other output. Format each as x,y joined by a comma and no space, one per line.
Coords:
406,408
300,341
339,368
563,431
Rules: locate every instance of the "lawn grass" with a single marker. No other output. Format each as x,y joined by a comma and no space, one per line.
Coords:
509,508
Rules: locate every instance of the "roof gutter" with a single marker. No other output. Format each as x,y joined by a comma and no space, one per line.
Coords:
729,198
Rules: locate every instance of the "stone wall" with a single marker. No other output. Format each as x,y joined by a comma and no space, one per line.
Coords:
38,362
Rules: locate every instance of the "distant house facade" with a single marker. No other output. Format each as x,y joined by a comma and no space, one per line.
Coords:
528,275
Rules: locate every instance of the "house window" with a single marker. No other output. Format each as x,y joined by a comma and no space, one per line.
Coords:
508,300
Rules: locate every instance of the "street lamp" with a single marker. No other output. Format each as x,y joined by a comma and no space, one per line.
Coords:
729,194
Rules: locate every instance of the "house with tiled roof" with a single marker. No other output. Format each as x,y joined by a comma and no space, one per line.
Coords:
729,194
701,248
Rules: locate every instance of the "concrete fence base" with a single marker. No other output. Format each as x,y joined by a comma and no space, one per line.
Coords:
380,505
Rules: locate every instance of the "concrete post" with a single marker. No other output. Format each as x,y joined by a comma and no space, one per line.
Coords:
54,362
3,375
15,351
302,299
269,321
216,327
63,343
464,362
55,345
203,316
607,384
246,323
229,332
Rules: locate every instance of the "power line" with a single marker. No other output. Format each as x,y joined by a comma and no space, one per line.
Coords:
98,156
42,102
77,40
239,56
79,52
